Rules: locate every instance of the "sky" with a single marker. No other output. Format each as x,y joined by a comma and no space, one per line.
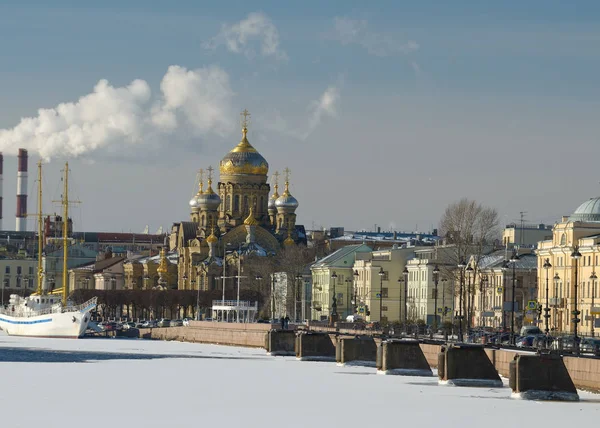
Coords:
385,112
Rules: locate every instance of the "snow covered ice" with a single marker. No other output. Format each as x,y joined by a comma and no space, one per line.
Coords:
134,382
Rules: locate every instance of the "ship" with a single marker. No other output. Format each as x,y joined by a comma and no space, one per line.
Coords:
48,313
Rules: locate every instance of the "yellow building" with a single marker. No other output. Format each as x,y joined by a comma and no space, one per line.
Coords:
570,275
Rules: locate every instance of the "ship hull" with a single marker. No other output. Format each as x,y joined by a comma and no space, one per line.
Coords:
60,325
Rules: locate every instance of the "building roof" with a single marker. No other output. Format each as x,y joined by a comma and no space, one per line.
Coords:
589,211
100,265
336,256
118,237
496,259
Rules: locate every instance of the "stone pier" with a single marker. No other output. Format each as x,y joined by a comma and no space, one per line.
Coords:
312,346
356,350
402,357
541,377
466,365
281,342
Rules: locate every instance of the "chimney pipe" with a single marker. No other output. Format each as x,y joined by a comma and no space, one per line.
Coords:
22,191
1,186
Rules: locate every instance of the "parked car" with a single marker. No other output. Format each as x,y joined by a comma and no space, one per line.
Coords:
564,343
149,324
591,346
176,323
525,342
530,330
164,322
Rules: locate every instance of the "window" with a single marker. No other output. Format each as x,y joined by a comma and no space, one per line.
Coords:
19,270
384,293
563,239
30,270
236,203
384,308
7,270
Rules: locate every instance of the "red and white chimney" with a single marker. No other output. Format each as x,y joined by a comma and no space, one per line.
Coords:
22,191
1,186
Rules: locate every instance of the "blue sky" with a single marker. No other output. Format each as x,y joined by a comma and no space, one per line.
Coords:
385,111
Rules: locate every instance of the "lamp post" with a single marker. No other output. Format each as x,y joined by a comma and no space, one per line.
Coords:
354,293
547,267
483,290
513,260
593,277
461,266
405,273
504,268
298,287
436,274
469,271
575,255
444,311
556,279
259,278
381,274
334,314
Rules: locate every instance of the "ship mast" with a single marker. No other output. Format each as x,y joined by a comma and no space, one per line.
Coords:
40,230
65,203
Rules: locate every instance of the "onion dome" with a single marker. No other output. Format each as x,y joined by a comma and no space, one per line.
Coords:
243,159
163,264
209,201
250,220
271,205
286,202
195,201
288,241
212,239
589,211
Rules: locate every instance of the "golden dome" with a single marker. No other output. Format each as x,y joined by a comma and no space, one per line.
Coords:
163,264
212,239
243,159
250,220
288,241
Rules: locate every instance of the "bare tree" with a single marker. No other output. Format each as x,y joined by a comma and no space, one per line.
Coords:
469,230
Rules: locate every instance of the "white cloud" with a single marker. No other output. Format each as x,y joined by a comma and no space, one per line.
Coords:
239,37
349,31
325,106
111,119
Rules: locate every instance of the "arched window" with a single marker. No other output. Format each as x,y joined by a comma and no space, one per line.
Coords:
203,221
563,239
245,206
228,203
262,204
236,203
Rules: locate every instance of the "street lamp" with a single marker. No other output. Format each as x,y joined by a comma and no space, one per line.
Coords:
547,267
469,271
354,293
381,274
443,317
298,287
504,268
192,282
461,266
436,274
556,279
333,314
593,277
513,260
576,255
405,273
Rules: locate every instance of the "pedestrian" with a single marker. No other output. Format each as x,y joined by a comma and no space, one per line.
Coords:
282,320
287,322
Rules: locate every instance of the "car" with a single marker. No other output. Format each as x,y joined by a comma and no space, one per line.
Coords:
525,342
175,323
530,330
149,324
590,346
564,343
164,322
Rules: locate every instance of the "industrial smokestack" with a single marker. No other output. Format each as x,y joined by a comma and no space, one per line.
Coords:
1,186
22,191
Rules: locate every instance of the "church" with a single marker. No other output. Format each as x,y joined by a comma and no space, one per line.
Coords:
237,218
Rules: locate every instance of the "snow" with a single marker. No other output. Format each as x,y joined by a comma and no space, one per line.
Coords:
134,382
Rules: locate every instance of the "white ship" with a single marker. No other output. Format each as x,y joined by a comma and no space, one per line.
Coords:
46,314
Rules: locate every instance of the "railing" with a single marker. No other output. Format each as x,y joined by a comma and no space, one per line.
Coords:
25,312
235,303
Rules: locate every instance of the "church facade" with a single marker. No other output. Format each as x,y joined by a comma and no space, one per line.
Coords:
238,217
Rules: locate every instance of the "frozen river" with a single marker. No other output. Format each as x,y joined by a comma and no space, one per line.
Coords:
137,383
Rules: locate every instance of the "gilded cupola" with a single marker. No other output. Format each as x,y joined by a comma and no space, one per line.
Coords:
271,205
243,159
